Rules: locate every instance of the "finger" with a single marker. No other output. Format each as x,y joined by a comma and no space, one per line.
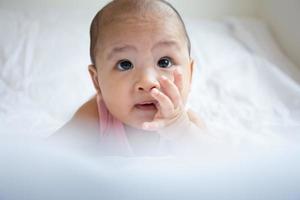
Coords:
171,90
154,125
165,105
178,80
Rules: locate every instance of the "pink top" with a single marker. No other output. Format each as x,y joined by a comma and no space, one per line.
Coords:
113,137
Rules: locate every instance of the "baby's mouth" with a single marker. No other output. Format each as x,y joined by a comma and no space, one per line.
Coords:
147,105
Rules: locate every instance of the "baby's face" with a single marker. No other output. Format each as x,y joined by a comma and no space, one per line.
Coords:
132,56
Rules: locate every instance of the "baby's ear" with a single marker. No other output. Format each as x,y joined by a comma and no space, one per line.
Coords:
94,77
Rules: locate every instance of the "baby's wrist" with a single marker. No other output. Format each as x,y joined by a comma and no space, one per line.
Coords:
177,128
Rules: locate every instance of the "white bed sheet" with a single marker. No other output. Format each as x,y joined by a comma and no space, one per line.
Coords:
33,170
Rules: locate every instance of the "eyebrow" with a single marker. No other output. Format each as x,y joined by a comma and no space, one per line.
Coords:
167,43
120,49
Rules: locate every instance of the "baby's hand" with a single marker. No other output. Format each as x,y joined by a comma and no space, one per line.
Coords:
170,104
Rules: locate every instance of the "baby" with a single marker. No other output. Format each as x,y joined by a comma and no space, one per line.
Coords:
142,70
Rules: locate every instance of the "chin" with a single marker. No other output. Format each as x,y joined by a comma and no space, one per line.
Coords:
145,116
138,124
138,118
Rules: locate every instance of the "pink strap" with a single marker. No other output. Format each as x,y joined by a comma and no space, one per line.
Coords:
113,137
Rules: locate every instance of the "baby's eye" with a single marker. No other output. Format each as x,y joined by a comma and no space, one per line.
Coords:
124,65
165,62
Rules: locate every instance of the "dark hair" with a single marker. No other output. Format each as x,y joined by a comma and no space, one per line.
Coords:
94,28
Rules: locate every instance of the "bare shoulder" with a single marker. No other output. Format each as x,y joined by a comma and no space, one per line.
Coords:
88,111
196,119
84,121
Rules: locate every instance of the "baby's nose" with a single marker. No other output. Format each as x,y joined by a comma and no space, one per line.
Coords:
148,79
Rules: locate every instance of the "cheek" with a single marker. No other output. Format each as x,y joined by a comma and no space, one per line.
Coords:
114,89
117,97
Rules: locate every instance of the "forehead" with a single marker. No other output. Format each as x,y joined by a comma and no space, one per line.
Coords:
146,28
130,24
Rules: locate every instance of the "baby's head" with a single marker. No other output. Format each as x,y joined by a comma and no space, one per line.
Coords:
133,44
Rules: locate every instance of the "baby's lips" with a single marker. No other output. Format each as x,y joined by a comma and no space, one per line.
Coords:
147,104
